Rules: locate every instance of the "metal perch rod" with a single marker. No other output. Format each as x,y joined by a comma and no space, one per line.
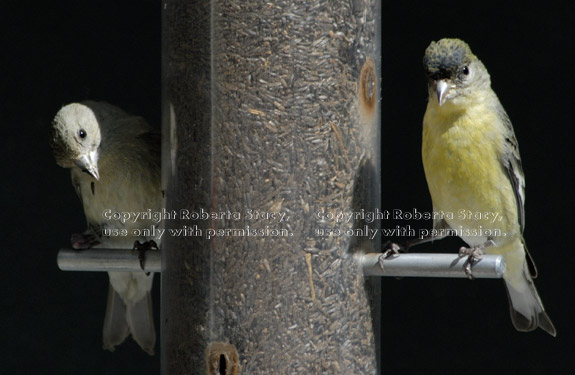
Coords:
107,260
403,265
432,265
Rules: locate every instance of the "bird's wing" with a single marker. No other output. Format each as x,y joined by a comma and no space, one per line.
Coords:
153,144
512,163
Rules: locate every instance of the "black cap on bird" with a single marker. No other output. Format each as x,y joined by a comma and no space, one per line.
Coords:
447,64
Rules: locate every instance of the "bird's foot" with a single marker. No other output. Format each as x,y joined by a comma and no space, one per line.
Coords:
390,250
141,248
474,254
83,241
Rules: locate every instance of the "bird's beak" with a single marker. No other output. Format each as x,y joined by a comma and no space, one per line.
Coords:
442,88
89,164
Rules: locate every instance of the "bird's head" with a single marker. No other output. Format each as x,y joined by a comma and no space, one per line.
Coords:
75,138
453,71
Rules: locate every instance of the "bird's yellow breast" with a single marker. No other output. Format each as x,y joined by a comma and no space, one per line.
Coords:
461,153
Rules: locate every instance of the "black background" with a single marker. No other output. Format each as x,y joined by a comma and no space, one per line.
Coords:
58,52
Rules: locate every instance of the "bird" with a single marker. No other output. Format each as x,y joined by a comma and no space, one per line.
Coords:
472,165
114,158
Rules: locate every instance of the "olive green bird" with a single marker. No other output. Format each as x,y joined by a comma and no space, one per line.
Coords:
471,162
114,159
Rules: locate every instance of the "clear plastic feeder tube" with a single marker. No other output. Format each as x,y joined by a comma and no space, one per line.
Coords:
271,128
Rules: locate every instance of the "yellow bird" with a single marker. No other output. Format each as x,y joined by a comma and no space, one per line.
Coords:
474,174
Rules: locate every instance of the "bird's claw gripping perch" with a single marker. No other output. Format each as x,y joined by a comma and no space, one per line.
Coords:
142,248
393,250
474,254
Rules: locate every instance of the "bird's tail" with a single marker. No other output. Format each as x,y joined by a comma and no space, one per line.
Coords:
129,311
141,322
115,325
527,311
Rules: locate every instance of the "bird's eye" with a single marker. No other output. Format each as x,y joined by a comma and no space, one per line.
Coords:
82,133
465,70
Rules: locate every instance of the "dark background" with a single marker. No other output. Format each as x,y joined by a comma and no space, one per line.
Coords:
53,54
